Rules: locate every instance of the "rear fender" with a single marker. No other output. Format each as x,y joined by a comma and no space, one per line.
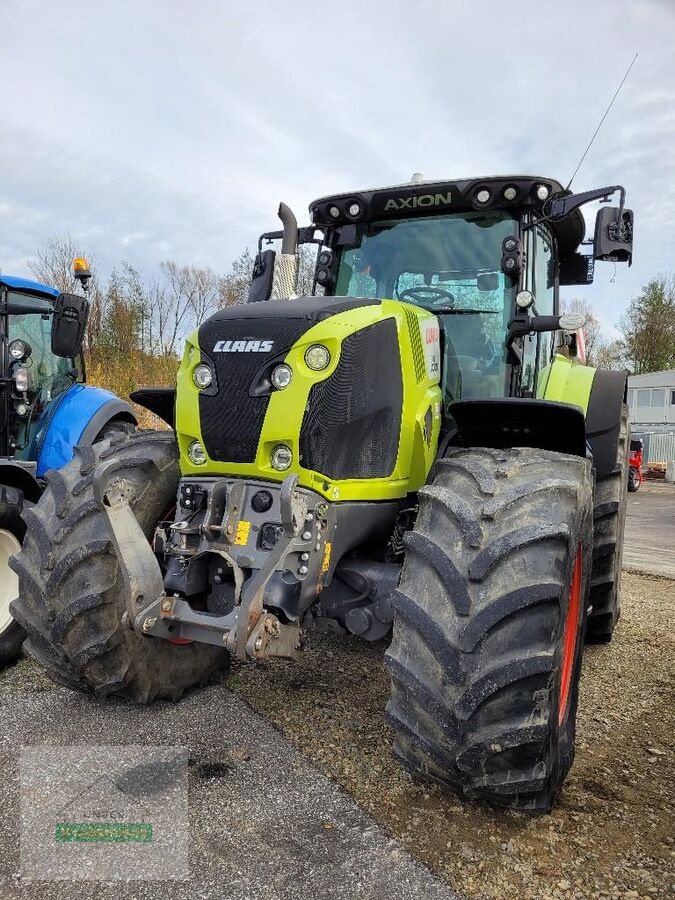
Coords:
77,417
601,395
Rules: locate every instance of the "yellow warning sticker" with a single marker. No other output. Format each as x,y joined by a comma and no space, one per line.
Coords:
243,529
325,565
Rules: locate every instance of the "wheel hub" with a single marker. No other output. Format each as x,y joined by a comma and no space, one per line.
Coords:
9,582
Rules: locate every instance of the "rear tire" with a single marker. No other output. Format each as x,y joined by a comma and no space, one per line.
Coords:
71,598
490,613
12,531
609,520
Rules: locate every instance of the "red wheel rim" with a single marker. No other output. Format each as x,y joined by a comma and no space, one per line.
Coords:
570,636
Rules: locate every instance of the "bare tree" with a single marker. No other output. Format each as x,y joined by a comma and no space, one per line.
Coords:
592,328
610,355
53,263
233,287
180,302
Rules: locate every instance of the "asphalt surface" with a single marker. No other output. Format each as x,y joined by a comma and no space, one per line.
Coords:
263,822
649,545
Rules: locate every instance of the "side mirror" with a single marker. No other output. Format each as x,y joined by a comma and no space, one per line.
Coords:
68,323
263,274
613,240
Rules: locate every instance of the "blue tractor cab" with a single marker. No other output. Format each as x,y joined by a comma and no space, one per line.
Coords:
46,410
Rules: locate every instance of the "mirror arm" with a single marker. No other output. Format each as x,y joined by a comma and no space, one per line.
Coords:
560,206
524,324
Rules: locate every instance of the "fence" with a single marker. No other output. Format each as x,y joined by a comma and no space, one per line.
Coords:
659,447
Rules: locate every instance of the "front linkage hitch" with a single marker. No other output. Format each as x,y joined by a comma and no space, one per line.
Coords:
248,631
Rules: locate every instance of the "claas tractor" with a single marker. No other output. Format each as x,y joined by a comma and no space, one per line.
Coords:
415,453
45,410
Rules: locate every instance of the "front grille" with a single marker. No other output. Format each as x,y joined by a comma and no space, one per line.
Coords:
352,425
231,419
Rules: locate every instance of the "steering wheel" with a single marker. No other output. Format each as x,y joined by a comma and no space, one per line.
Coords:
427,292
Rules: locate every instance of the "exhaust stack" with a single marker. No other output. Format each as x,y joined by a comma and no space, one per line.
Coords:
285,279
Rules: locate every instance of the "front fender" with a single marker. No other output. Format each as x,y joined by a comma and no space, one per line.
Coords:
77,417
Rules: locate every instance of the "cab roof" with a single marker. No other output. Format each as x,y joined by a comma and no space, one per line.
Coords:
25,284
422,197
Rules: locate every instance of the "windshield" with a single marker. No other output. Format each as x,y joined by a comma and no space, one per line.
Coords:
29,318
450,265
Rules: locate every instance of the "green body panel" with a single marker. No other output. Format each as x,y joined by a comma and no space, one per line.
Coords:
286,408
566,381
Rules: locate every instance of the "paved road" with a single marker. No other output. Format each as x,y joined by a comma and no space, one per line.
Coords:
650,530
263,822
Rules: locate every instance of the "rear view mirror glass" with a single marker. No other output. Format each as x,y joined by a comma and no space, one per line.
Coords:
263,273
613,240
68,324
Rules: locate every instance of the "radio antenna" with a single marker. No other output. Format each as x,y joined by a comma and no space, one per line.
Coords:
595,133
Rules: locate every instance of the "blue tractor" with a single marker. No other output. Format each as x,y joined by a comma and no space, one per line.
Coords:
46,410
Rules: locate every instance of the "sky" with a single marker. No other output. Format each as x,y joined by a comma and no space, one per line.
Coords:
153,130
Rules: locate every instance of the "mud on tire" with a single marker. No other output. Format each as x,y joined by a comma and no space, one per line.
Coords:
609,519
71,598
481,621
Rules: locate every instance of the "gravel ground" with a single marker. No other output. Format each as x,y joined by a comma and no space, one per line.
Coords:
612,833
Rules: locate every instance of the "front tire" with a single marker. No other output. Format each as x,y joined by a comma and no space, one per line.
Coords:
71,597
488,633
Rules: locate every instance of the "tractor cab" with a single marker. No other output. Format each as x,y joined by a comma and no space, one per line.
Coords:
487,256
41,330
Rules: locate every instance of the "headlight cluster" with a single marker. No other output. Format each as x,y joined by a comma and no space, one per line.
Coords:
197,453
281,376
317,357
202,376
282,457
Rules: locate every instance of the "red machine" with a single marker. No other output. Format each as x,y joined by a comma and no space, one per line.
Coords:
635,477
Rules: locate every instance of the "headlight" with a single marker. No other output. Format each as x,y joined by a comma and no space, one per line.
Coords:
317,357
202,376
524,299
18,350
22,379
22,409
282,457
197,453
281,376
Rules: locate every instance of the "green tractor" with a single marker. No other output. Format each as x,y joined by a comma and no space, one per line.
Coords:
419,447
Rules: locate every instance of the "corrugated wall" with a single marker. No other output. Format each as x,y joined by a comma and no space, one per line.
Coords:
659,447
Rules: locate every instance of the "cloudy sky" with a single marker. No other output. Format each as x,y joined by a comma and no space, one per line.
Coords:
156,129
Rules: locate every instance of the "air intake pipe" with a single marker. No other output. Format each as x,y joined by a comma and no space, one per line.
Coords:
285,280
